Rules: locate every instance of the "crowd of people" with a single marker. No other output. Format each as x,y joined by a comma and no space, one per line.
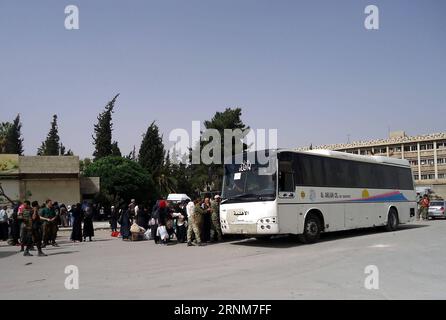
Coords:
32,225
191,222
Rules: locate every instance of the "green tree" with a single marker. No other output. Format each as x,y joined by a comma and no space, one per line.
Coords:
14,140
5,128
83,164
102,139
210,177
51,146
151,153
122,179
167,181
115,151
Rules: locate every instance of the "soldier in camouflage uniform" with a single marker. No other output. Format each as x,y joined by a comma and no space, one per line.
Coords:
195,213
215,219
37,228
26,229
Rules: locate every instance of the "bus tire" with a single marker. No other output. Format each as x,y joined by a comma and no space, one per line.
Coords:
312,229
392,220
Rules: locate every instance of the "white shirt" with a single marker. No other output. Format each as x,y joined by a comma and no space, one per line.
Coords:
3,216
190,208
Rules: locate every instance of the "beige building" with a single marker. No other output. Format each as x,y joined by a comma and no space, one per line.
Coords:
426,154
44,177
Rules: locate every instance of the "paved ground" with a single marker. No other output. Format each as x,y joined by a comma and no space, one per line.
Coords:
411,263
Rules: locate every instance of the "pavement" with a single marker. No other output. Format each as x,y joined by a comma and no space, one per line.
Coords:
408,264
97,225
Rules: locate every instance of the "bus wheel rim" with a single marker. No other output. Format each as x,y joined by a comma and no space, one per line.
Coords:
312,228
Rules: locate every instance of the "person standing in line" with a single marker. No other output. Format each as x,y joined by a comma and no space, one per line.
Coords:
215,219
26,229
154,222
206,220
113,219
63,215
125,222
181,216
132,207
4,224
194,216
76,231
163,216
49,225
37,229
14,224
69,216
88,230
425,203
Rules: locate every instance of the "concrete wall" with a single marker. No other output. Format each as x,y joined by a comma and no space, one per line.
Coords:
63,191
49,165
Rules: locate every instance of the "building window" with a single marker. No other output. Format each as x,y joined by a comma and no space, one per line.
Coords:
406,148
430,161
423,162
423,147
413,147
413,162
431,176
424,177
441,145
441,160
441,176
415,176
398,149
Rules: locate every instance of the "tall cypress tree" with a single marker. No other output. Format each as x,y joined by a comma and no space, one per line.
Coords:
5,127
102,138
115,151
51,146
151,153
14,140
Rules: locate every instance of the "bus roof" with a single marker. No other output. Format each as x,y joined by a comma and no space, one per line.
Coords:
354,157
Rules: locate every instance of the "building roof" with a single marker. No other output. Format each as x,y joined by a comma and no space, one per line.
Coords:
381,142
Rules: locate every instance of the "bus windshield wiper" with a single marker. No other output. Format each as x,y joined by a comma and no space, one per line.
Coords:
243,195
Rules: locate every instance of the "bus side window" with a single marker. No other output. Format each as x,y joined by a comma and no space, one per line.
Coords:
286,182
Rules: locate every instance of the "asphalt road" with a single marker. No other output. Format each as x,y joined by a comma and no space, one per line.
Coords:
411,264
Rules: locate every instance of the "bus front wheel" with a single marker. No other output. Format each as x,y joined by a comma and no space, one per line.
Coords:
392,220
312,230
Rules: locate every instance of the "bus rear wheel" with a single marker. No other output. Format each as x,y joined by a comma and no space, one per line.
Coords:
312,230
392,220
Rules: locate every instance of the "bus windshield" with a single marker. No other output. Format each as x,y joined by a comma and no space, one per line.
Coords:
248,182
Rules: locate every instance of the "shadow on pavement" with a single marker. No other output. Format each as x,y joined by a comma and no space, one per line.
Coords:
288,241
6,254
58,253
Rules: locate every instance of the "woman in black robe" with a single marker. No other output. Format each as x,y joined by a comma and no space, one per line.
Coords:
88,224
141,219
76,214
125,223
114,216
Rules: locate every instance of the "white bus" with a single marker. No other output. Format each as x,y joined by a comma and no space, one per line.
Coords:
307,193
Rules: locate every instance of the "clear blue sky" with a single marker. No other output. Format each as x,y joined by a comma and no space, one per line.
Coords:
308,68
